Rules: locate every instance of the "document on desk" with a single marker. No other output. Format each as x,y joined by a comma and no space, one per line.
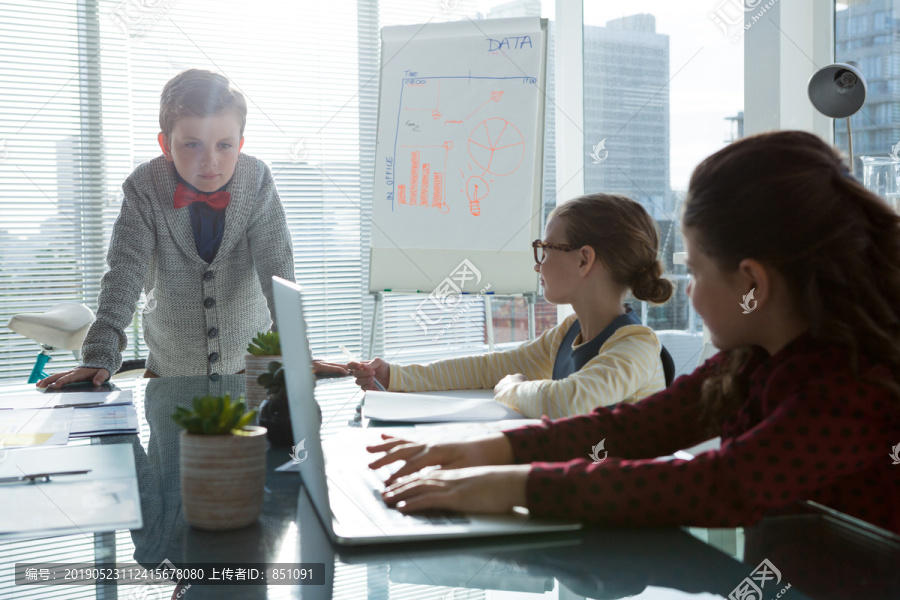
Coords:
104,420
36,399
436,407
103,499
35,427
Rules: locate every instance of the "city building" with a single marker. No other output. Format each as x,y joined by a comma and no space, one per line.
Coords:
626,112
865,33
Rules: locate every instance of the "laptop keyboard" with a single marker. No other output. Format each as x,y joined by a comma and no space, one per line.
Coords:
373,481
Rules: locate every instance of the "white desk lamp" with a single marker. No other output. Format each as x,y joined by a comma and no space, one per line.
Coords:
838,91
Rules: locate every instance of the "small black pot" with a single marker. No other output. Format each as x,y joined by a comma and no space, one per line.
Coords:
275,416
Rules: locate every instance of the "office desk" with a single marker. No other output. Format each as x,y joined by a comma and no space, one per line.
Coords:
820,554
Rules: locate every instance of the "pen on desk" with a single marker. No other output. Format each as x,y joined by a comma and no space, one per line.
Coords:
45,476
349,355
80,405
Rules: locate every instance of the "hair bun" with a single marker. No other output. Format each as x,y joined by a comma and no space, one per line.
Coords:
650,287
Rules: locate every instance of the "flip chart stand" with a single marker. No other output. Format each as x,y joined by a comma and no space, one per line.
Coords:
489,323
530,300
379,296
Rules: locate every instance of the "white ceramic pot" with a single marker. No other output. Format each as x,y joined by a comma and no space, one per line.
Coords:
254,366
223,478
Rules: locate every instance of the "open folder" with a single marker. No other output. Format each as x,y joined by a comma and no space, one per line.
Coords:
105,498
436,407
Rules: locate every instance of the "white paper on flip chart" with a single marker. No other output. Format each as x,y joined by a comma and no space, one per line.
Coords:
36,399
436,407
35,427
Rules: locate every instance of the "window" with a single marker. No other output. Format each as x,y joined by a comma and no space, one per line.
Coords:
876,127
858,25
664,89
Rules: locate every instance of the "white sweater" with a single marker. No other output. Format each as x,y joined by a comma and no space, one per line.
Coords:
202,315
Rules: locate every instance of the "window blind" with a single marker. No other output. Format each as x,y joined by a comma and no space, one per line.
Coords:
49,195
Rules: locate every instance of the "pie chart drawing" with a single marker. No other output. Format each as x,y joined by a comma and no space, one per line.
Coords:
497,146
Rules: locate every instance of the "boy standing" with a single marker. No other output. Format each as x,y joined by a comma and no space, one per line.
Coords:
202,231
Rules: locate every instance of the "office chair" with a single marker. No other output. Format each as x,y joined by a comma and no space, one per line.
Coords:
668,365
61,327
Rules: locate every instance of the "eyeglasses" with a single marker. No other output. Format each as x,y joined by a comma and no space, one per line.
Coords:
540,248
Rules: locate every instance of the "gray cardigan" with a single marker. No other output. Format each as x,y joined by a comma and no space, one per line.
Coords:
199,316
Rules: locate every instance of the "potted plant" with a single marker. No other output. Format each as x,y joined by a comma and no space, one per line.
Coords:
223,463
274,413
263,349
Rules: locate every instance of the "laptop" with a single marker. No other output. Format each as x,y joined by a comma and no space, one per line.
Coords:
346,494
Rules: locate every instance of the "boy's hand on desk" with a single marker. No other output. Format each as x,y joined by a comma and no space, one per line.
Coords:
366,372
97,376
320,366
493,449
475,490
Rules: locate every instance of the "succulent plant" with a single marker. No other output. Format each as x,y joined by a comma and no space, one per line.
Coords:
265,344
273,379
214,415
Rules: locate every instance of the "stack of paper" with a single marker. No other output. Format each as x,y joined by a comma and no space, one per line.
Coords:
436,407
34,418
36,399
104,420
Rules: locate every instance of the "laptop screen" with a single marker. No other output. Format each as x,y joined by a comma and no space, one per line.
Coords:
306,418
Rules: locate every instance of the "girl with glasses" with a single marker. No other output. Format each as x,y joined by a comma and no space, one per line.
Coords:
596,249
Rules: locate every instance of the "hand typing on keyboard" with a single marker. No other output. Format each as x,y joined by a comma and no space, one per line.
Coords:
473,475
433,516
492,449
492,489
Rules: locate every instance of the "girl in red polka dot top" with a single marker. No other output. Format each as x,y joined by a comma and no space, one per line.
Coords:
796,273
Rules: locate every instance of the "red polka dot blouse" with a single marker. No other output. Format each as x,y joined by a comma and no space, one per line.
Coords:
808,430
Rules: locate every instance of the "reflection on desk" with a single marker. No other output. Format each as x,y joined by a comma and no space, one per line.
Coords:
822,555
168,537
830,555
593,564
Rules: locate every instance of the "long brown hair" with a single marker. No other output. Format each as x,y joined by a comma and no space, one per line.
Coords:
787,200
625,239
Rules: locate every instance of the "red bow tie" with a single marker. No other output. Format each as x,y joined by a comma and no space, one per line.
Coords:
184,196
